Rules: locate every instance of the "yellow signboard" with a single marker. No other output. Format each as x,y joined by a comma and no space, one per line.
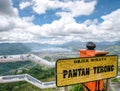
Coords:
80,70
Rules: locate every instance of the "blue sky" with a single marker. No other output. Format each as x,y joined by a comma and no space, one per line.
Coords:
59,21
103,7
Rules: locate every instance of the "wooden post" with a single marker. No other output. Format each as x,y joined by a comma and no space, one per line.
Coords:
84,89
66,88
107,84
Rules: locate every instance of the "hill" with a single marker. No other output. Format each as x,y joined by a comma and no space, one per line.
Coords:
20,48
112,47
39,47
13,48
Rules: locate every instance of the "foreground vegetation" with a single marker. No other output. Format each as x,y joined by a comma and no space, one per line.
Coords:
36,71
20,86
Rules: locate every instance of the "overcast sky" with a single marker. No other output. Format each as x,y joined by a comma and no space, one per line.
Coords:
59,21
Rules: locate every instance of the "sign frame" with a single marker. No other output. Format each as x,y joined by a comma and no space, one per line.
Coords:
67,59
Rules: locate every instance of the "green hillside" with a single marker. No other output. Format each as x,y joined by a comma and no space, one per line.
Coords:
13,48
37,71
115,49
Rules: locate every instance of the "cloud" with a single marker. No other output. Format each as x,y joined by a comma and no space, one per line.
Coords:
14,28
7,9
70,8
111,21
24,5
15,36
108,30
7,13
110,26
66,29
29,18
6,24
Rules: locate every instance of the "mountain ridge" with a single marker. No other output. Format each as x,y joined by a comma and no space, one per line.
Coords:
20,48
